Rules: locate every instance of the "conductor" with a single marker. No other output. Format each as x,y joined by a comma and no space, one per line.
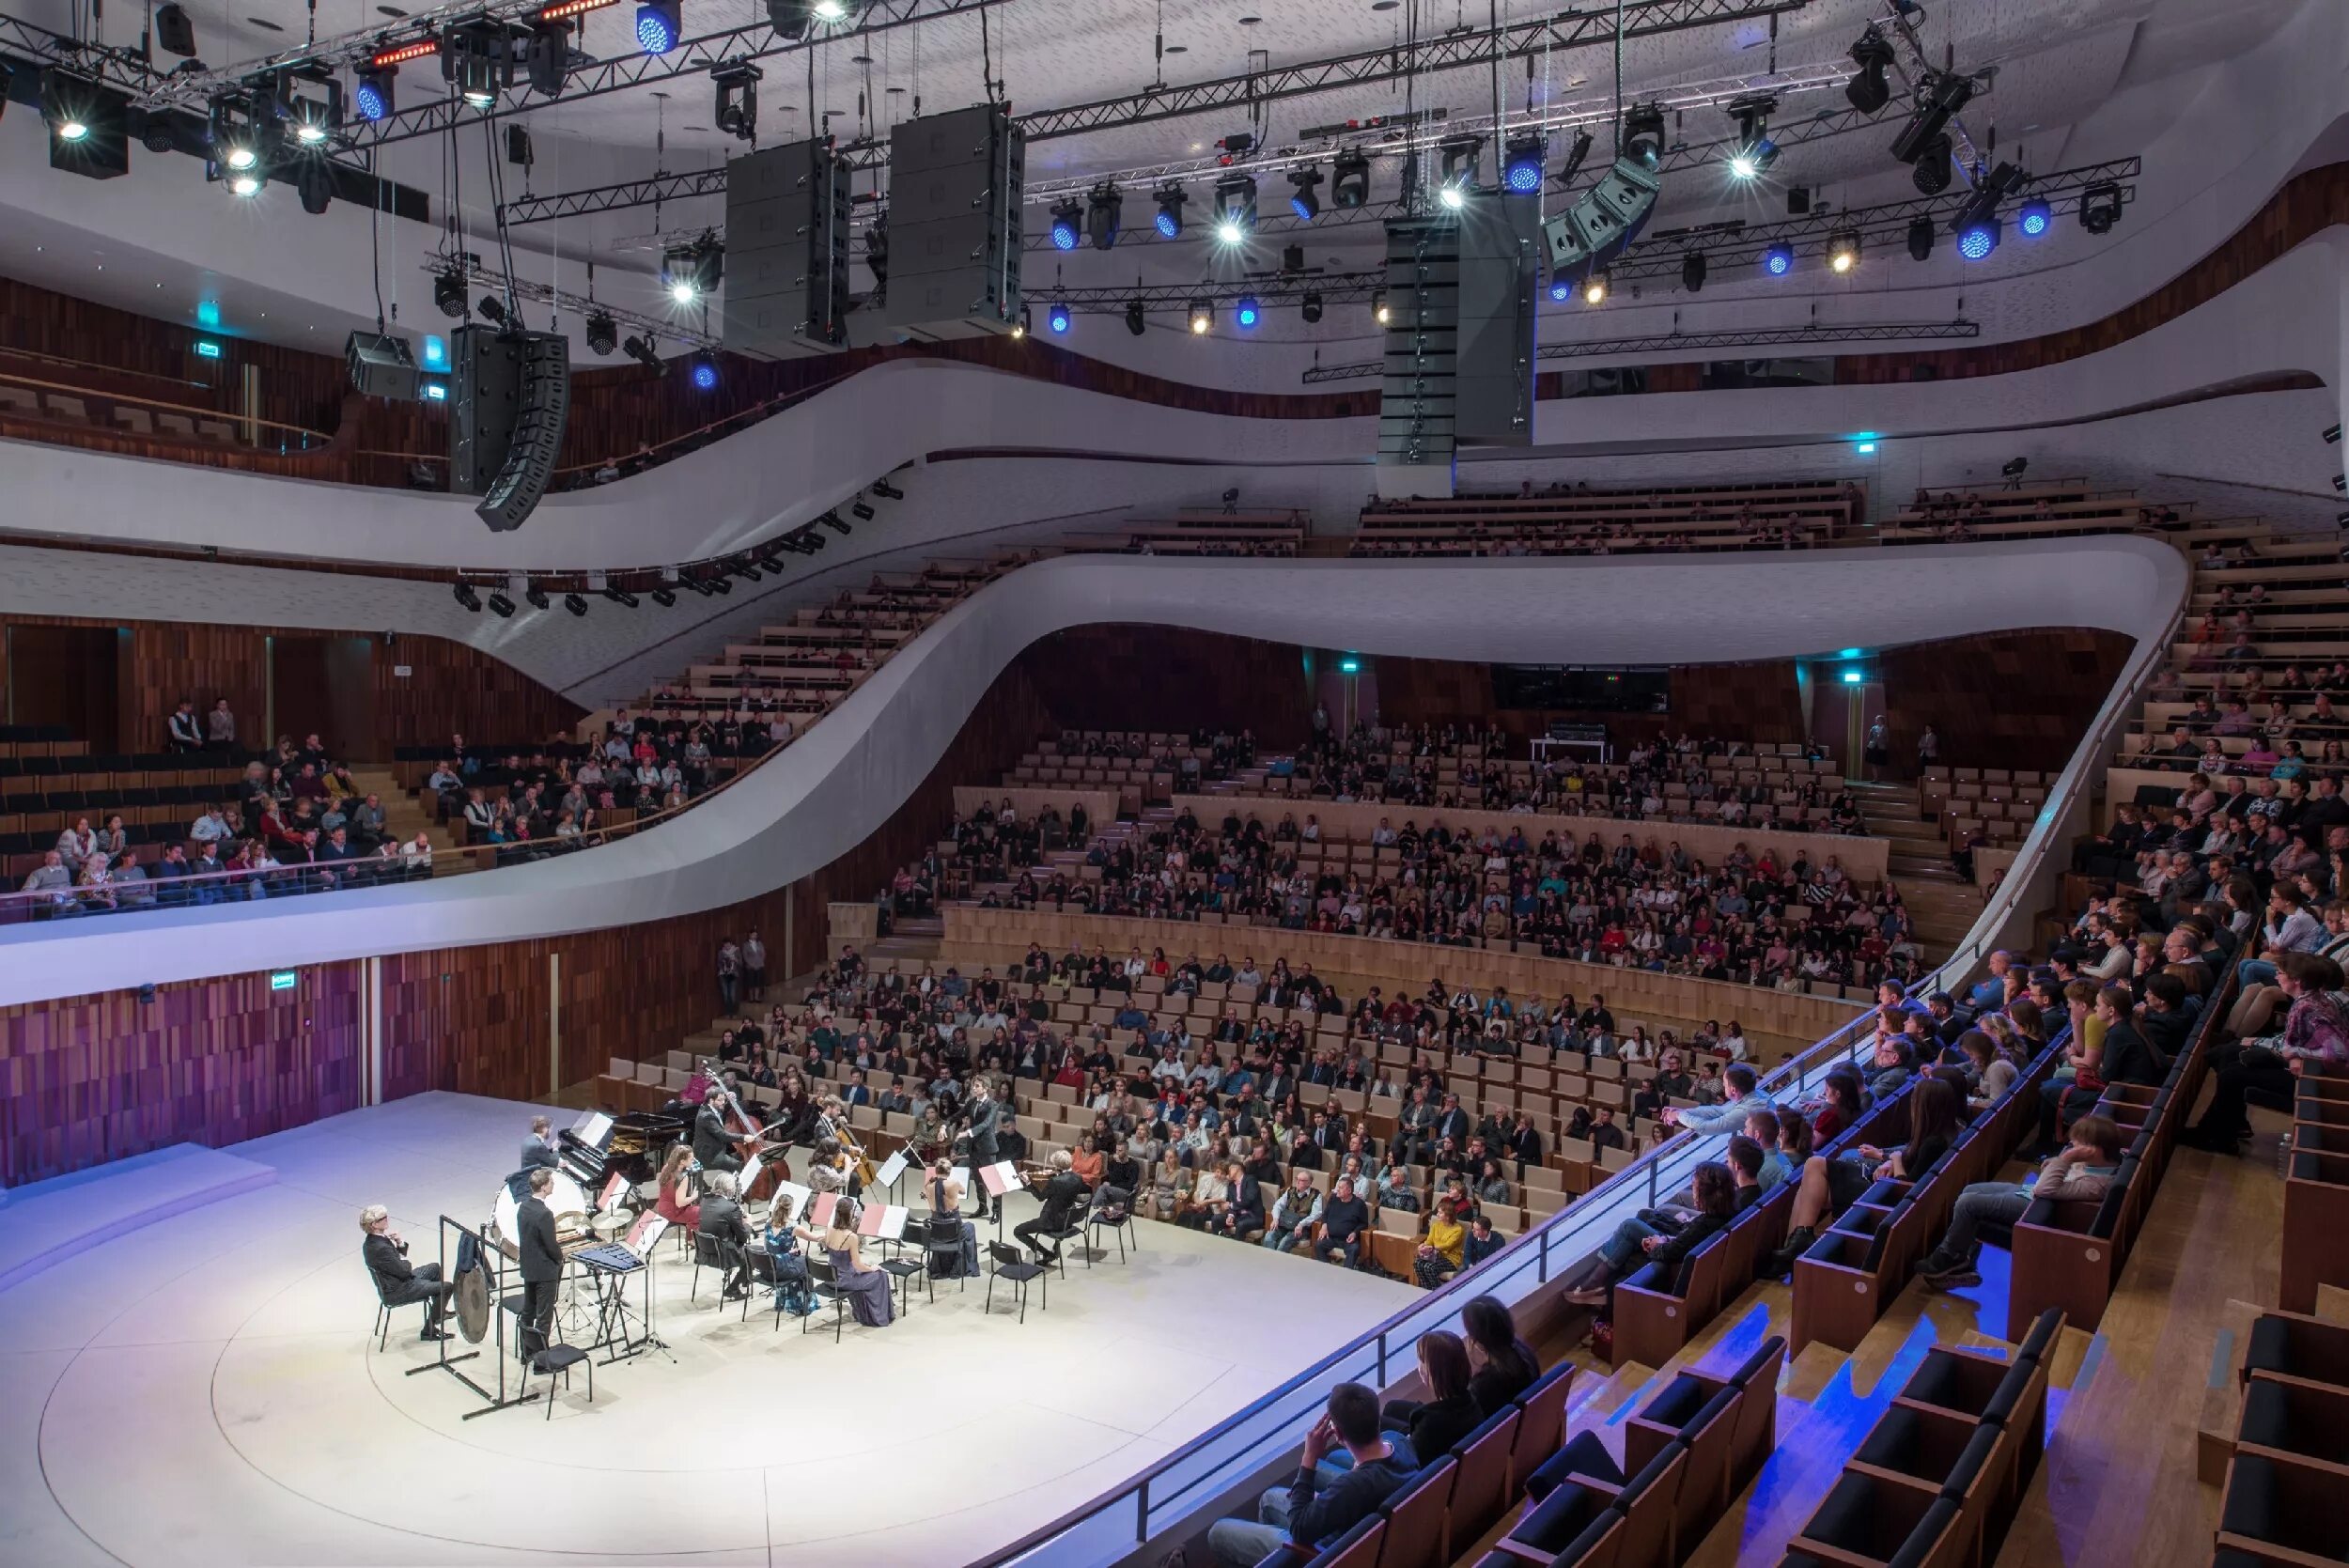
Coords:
713,1145
986,1122
541,1263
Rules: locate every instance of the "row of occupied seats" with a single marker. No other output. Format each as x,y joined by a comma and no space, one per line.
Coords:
1936,1484
1687,1455
1860,1265
1656,1315
1456,1498
2069,1255
2282,1500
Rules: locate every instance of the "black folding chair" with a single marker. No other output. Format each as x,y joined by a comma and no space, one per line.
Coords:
1009,1265
904,1270
826,1286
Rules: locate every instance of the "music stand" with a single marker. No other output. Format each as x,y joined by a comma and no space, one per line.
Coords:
494,1259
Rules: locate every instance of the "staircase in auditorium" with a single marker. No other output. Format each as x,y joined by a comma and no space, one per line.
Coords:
1941,905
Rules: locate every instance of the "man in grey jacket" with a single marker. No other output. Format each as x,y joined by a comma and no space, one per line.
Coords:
1727,1117
1295,1215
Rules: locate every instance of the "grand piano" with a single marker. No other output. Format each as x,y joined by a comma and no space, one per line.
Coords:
600,1145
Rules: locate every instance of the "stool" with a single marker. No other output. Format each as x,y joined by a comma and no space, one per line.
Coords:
556,1360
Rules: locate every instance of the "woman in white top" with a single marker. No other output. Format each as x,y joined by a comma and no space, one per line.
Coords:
1734,1042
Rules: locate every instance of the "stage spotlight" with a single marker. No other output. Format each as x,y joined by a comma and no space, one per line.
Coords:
1234,208
1692,270
603,333
1056,317
1169,216
1310,307
831,521
315,185
374,94
1779,260
1921,233
2033,218
1978,239
746,570
492,309
861,510
1202,317
1869,90
575,604
1595,290
1561,289
502,606
1246,312
1756,151
665,598
1456,160
1380,311
718,585
448,292
1303,199
623,598
1349,181
1105,209
1843,251
1452,197
1523,159
1930,174
1022,327
738,99
657,26
1136,318
466,596
689,271
705,373
2100,209
887,492
644,351
535,596
1068,218
1939,100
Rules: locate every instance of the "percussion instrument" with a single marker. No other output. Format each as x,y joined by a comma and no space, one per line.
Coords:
571,1206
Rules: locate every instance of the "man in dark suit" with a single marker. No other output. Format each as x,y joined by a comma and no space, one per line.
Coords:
538,1148
1064,1195
1454,1122
395,1281
1243,1215
713,1142
722,1218
541,1262
986,1122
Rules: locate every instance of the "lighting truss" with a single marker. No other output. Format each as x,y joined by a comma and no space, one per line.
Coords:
695,57
1758,338
1474,46
123,69
1655,256
196,89
1178,298
613,198
666,328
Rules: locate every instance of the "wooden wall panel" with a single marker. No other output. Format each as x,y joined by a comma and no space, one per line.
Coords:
1131,676
95,1078
451,686
1752,701
63,674
2007,699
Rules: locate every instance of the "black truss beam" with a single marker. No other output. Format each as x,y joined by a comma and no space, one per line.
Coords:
125,69
1758,338
615,198
1333,287
691,57
1571,29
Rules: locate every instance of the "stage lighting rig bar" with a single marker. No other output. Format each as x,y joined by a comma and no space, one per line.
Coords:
692,57
1268,289
1658,255
613,198
1471,46
1757,338
196,90
668,330
124,69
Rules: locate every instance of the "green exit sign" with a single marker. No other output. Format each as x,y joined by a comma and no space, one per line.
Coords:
282,980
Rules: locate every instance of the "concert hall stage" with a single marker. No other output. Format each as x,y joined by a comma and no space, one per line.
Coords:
207,1390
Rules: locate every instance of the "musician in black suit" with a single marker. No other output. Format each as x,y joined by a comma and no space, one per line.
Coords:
987,1122
542,1261
1064,1194
713,1142
538,1148
722,1218
395,1281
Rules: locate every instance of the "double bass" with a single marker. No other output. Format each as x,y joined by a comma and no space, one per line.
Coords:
753,1141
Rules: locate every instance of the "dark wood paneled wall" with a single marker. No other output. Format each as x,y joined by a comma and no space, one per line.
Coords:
1131,676
451,686
94,1078
2006,699
1754,702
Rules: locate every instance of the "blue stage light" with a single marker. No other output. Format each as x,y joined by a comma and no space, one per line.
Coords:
1246,312
657,26
1979,239
1057,318
2034,218
1779,260
704,375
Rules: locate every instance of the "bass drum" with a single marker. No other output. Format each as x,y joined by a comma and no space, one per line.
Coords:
566,1198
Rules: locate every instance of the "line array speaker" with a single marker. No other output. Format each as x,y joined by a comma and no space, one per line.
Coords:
954,224
786,252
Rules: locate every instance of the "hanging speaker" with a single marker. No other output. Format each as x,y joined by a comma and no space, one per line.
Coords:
546,405
1595,231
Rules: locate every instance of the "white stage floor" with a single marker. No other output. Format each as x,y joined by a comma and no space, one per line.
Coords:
208,1391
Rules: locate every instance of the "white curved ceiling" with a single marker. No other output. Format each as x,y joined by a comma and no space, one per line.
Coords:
842,781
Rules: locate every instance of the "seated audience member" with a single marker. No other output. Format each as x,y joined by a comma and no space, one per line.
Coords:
2080,1173
396,1281
1715,1193
1322,1503
1829,1186
1431,1426
1482,1242
1503,1366
1339,1237
2122,1055
1295,1215
1730,1115
2317,1030
1439,1250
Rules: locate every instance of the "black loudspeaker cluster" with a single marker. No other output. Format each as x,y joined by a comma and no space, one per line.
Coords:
509,396
528,470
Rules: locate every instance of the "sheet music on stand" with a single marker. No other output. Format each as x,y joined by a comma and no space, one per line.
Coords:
593,1129
961,1176
798,1195
820,1207
609,1199
648,1230
744,1177
882,1221
891,1169
1001,1177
